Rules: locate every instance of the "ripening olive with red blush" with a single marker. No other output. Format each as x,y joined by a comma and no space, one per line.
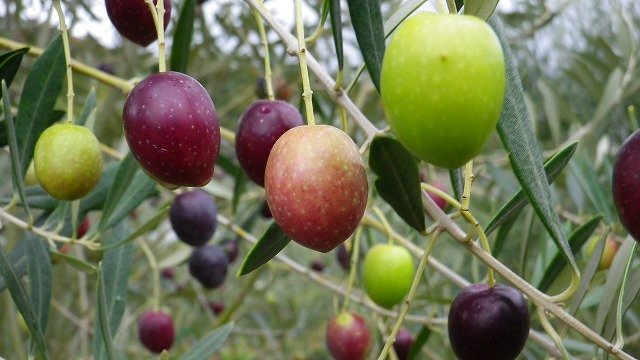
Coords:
348,337
172,129
316,186
626,184
261,125
133,19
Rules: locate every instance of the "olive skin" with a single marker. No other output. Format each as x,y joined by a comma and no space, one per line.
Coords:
488,323
156,331
133,20
193,217
208,265
626,184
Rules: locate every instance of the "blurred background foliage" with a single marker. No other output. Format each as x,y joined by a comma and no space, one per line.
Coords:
578,60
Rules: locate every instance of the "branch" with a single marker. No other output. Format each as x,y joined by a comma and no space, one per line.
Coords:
338,95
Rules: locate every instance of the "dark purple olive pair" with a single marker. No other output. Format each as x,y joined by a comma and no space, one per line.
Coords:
488,323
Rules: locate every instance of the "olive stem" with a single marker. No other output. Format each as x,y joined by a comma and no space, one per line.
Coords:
412,292
67,59
451,5
307,93
385,222
155,272
548,328
323,77
267,61
633,122
157,13
353,265
320,27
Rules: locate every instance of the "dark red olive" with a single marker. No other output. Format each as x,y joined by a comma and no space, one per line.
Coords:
133,20
155,330
626,184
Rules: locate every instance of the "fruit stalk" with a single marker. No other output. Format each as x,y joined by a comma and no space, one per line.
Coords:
67,59
267,61
157,12
451,4
307,93
548,328
155,272
325,79
412,292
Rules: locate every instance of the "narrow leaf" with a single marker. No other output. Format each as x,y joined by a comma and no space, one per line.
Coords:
9,65
39,272
398,181
18,261
577,238
19,296
182,37
418,343
103,316
130,187
208,345
587,274
480,8
41,89
117,263
270,244
16,171
552,167
147,226
457,183
89,106
367,24
74,262
516,132
586,176
612,284
336,28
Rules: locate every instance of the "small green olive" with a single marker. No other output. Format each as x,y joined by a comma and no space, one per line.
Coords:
67,161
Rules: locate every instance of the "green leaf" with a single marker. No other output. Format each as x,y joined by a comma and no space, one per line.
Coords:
367,24
89,106
240,179
39,272
103,316
16,171
457,183
419,342
208,345
19,296
336,29
41,89
18,260
182,37
552,167
147,226
586,176
117,263
270,244
398,181
480,8
516,132
501,238
612,284
587,274
9,65
130,187
577,238
74,262
407,8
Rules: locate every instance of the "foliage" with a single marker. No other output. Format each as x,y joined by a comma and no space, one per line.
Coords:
99,286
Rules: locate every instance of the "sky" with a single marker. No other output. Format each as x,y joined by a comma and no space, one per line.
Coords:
107,35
